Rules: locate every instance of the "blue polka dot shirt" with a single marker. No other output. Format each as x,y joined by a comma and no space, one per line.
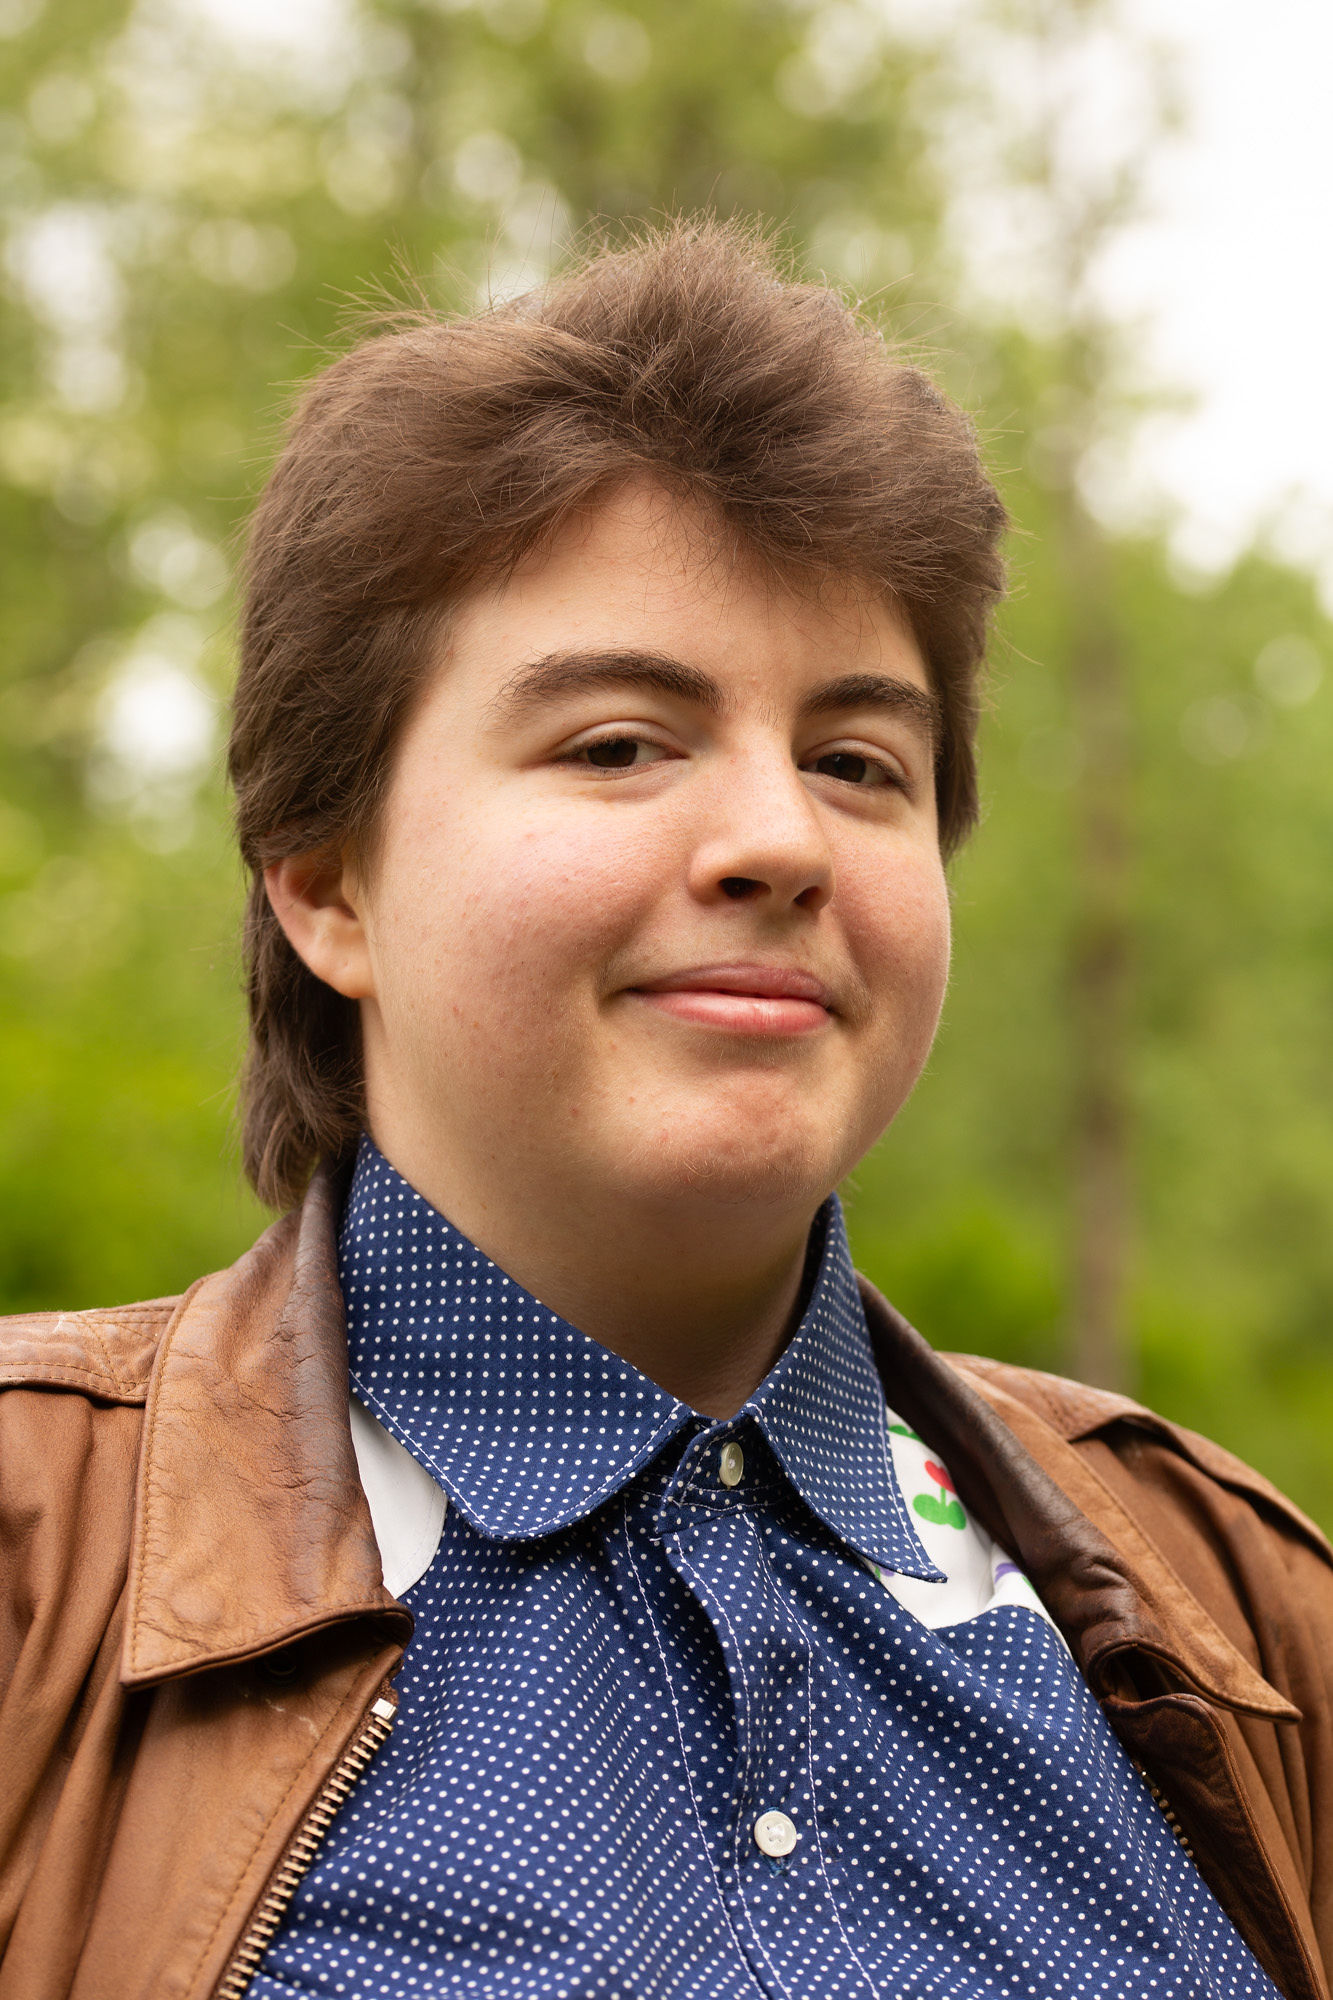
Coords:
677,1722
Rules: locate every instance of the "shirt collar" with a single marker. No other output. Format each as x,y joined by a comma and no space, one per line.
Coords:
529,1425
822,1409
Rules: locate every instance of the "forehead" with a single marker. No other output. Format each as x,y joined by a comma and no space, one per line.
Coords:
652,569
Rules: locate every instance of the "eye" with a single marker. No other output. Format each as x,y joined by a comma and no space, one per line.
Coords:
617,753
849,767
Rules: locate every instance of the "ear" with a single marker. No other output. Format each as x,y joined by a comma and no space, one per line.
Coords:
317,899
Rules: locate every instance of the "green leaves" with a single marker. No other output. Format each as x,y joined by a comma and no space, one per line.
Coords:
189,216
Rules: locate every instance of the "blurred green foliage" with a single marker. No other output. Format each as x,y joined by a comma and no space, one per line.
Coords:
189,211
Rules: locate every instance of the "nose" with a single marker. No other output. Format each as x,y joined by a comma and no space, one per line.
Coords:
761,838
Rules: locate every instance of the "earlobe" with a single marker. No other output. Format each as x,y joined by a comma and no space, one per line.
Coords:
316,898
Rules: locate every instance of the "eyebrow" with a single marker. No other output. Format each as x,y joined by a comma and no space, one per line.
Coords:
558,674
885,692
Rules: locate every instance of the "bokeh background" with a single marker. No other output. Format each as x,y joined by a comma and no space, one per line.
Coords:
1120,1162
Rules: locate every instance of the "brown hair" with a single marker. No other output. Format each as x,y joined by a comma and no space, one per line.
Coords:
438,454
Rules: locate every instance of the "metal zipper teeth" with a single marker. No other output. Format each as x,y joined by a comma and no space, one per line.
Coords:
304,1846
1168,1815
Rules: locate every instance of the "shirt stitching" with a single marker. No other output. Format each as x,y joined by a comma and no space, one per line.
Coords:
803,1640
680,1738
746,1789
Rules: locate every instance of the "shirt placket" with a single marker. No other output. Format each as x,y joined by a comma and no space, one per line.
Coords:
773,1870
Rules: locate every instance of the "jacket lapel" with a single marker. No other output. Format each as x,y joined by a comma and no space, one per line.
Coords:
251,1526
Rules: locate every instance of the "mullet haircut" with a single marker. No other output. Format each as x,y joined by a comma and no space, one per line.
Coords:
435,456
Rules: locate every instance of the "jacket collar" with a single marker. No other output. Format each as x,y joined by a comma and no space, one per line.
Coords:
1108,1587
529,1425
251,1527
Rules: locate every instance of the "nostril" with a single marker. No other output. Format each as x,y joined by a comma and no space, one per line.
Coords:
738,887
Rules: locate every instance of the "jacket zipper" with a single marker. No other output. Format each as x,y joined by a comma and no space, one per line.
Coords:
286,1877
1168,1814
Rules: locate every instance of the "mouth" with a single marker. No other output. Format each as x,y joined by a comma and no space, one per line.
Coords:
764,1000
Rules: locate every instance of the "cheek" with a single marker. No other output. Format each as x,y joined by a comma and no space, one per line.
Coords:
899,924
901,943
500,913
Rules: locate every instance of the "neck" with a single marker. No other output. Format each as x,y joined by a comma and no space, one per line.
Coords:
702,1304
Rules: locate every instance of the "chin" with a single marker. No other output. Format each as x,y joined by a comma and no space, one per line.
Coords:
749,1162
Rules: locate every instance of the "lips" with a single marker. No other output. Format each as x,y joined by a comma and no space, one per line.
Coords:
761,982
742,999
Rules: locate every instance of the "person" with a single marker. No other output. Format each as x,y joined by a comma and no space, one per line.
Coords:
538,1567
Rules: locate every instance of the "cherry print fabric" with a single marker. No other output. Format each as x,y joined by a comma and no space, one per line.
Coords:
621,1662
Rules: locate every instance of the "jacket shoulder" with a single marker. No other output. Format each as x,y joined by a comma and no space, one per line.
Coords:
106,1351
1083,1415
109,1351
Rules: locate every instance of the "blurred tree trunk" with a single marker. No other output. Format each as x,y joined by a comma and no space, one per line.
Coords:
1099,953
1100,962
1087,201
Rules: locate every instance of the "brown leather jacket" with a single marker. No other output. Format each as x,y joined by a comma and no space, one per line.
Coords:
196,1644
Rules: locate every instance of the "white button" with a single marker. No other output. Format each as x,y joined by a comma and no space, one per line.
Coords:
774,1834
732,1464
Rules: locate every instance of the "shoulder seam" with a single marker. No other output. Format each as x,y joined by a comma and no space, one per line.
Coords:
104,1351
1214,1461
84,1351
74,1378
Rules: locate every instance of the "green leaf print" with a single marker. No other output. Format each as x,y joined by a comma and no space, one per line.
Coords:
945,1511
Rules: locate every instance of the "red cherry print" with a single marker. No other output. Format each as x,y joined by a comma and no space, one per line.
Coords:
939,1475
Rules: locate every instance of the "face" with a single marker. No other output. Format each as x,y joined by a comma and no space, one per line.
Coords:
657,915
